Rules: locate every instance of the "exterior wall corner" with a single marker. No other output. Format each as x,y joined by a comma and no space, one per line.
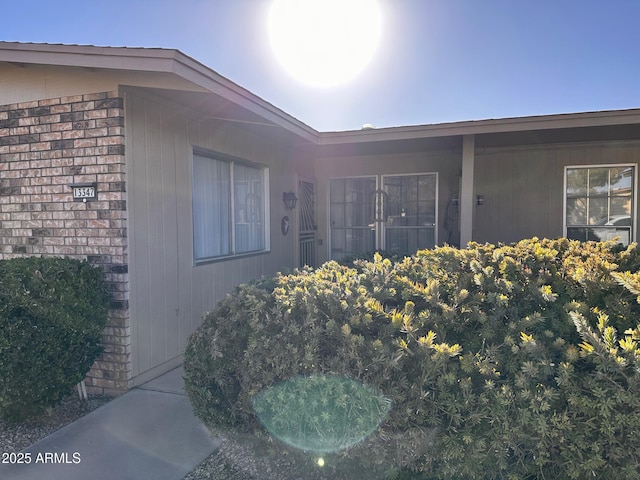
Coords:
45,147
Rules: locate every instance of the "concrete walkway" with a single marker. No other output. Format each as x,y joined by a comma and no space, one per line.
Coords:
147,433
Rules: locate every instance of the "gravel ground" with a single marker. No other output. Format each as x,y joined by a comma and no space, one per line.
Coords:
257,457
13,438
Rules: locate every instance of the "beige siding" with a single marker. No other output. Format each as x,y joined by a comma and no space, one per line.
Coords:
168,293
523,186
24,83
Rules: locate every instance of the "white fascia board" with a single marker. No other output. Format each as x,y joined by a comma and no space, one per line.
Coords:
116,58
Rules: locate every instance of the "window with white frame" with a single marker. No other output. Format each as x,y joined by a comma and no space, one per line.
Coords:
229,207
600,202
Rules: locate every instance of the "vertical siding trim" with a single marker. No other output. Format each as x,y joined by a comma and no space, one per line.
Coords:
467,203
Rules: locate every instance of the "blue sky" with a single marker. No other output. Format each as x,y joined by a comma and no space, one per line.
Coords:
439,60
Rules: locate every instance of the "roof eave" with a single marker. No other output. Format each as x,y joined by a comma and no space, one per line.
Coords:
478,127
171,61
153,60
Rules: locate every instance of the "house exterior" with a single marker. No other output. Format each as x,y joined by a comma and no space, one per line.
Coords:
173,179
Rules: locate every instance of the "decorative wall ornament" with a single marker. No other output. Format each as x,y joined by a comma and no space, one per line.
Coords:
284,225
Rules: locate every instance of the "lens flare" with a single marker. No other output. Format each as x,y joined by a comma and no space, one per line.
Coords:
321,413
324,42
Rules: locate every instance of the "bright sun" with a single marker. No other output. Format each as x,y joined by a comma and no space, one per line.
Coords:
324,42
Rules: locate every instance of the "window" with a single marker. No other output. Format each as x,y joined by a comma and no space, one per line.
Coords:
229,207
599,203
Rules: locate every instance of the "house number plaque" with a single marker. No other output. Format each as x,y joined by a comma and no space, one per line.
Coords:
84,192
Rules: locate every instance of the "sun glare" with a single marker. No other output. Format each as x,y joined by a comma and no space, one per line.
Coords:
324,42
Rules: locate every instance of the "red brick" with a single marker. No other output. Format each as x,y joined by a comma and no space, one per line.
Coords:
19,148
61,197
64,215
30,156
61,126
40,180
97,132
40,146
20,106
95,96
54,154
73,134
61,162
102,150
85,214
85,142
60,108
84,178
92,114
96,169
71,99
110,141
62,180
75,240
75,223
53,189
19,131
82,106
47,137
50,119
28,121
48,102
99,224
53,241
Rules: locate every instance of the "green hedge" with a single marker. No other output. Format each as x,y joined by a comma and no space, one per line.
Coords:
52,314
514,362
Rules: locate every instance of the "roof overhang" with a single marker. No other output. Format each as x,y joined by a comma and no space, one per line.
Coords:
547,129
154,60
482,127
196,77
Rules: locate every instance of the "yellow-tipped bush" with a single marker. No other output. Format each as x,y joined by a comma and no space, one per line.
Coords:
510,361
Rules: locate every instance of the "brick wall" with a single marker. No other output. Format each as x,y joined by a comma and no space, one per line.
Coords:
45,146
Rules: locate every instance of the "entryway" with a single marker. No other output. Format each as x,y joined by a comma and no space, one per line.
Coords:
396,213
306,224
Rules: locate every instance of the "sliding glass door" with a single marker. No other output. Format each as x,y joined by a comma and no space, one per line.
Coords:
396,213
351,208
410,223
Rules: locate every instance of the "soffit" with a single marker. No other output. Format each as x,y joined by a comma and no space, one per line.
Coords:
208,106
552,129
491,126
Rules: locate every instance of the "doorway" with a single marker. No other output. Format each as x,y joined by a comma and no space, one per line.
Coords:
395,213
307,224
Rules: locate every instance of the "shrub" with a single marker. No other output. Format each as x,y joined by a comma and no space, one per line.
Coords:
52,314
511,361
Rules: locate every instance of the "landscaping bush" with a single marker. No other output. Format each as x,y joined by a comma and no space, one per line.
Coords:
52,314
515,361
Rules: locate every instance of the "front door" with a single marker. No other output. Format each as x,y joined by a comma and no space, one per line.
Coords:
395,213
410,213
307,224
